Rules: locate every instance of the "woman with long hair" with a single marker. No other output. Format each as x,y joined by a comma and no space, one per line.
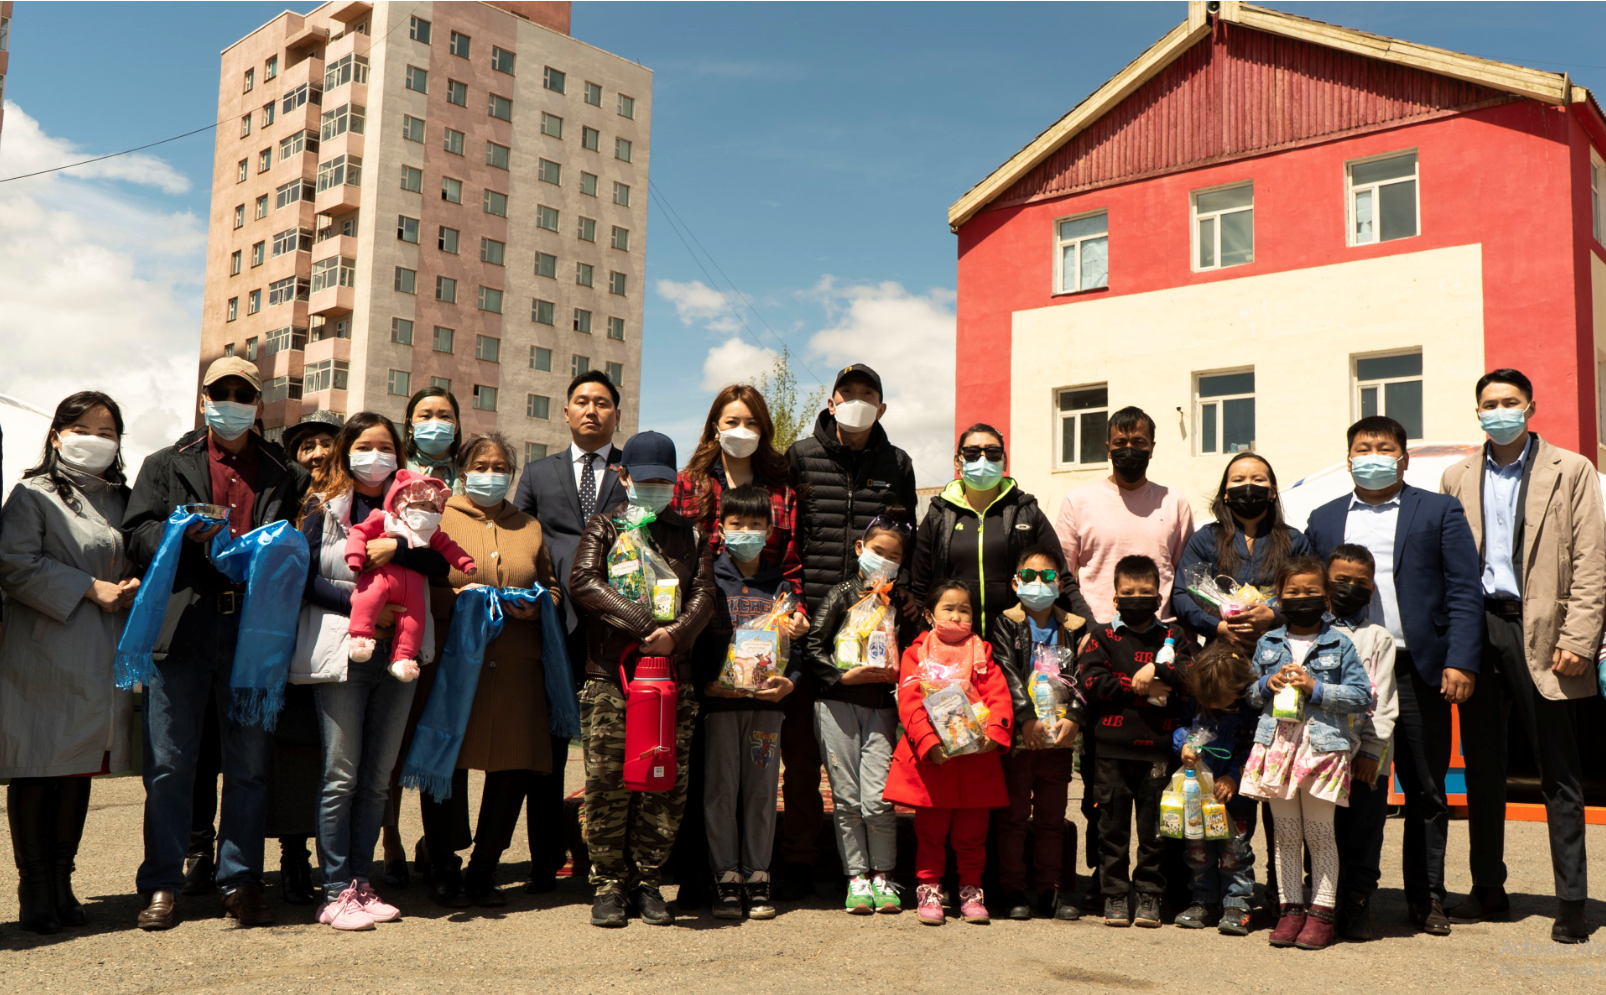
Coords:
66,577
1248,541
433,430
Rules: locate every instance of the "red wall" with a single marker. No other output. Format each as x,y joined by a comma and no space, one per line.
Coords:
1507,176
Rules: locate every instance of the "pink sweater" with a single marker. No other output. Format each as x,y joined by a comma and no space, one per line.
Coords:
1099,523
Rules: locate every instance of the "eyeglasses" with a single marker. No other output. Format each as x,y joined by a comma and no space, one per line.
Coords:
243,395
973,453
1028,575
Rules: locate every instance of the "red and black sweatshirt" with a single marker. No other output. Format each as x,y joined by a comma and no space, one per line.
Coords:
1125,725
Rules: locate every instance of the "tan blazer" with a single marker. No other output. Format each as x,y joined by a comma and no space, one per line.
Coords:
1563,569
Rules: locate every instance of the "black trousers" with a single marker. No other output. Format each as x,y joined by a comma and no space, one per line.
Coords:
1122,786
1359,828
446,823
1551,726
549,835
1422,757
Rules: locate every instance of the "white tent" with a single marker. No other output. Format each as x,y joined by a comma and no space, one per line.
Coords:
25,428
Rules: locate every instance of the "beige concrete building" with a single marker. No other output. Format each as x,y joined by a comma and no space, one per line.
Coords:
411,194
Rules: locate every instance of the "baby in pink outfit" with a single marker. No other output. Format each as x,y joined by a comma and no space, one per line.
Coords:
412,516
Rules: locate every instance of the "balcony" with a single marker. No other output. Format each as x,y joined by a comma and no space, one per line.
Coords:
310,38
338,200
333,302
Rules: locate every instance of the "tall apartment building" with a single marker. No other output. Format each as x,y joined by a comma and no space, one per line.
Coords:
5,55
430,193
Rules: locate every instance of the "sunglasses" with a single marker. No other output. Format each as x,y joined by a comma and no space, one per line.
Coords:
973,453
1028,575
242,395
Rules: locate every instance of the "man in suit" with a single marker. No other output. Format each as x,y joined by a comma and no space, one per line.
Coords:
1426,594
1536,515
562,492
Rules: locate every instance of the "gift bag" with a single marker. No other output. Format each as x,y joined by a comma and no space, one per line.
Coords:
1049,691
759,650
637,571
960,723
1221,596
868,636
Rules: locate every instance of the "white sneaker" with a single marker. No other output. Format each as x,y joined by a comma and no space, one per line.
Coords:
861,897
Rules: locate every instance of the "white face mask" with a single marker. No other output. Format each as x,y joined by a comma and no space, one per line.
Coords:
422,522
89,453
738,442
372,466
856,416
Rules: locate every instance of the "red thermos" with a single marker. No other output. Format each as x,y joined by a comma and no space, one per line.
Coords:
651,701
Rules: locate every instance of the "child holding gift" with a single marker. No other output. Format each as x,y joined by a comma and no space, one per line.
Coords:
1310,681
952,795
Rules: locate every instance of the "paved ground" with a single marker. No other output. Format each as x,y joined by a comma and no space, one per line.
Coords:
543,943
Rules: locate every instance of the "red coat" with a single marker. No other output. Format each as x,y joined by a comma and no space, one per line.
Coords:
975,780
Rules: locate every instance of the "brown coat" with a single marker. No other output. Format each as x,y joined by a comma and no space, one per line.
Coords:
507,729
1563,569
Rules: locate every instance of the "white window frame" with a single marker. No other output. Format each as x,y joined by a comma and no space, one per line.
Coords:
1216,402
402,378
1357,384
1194,217
1059,425
1350,191
541,358
538,406
1060,245
1597,209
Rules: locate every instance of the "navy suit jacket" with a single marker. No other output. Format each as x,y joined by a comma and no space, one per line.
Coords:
1438,577
547,493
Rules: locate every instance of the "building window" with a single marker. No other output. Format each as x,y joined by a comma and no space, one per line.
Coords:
541,359
295,289
621,149
447,240
233,309
234,263
270,69
621,239
488,348
587,230
490,300
451,190
406,280
495,203
546,217
453,142
459,45
497,155
590,139
546,265
347,225
551,125
1392,386
534,451
627,106
621,195
342,170
444,383
412,179
262,201
579,365
245,126
399,383
540,312
267,113
582,320
407,229
281,389
301,141
616,283
1224,227
616,329
264,160
1224,412
1597,186
616,373
292,240
417,79
349,68
299,190
588,184
1082,256
484,398
1382,199
492,251
300,96
413,128
582,274
401,331
239,216
419,30
446,289
549,172
443,339
253,302
594,94
346,117
1084,413
330,374
258,254
228,350
536,406
242,171
501,60
456,93
553,80
286,339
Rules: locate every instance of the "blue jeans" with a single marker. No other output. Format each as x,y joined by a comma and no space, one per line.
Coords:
1224,870
175,705
361,721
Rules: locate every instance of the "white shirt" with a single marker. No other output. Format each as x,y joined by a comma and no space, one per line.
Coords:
1373,526
598,465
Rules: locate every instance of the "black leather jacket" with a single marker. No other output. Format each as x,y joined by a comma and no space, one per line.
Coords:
820,650
1012,650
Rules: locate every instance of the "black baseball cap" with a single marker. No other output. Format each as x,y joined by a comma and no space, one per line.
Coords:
859,370
649,456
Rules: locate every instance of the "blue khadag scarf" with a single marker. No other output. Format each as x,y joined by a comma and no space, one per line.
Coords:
477,620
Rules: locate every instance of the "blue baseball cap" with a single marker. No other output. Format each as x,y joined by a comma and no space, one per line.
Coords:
649,456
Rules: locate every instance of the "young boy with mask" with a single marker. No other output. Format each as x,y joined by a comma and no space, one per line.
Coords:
1359,827
742,728
1128,684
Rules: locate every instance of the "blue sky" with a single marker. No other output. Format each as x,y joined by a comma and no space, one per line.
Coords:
812,149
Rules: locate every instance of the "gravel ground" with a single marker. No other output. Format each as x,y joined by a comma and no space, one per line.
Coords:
544,943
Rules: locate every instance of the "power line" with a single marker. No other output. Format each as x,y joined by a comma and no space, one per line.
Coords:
113,155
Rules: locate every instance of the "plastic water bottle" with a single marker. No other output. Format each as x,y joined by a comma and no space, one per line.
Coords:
1192,806
1167,653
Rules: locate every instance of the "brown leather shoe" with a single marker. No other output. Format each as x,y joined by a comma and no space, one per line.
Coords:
160,911
245,904
1430,918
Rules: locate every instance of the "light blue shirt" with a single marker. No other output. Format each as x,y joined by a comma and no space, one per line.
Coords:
1046,634
1501,486
1373,526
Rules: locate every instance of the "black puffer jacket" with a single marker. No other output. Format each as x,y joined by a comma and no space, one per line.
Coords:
820,650
839,492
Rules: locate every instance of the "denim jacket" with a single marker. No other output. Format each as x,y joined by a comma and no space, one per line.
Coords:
1342,688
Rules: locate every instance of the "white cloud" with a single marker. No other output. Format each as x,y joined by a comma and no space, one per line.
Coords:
696,303
735,361
100,285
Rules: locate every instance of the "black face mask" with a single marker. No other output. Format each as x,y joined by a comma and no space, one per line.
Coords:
1130,462
1347,598
1138,608
1304,611
1249,500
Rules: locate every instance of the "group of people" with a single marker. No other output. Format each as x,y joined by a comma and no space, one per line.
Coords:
1074,644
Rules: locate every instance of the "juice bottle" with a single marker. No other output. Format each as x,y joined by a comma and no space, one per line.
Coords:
1192,806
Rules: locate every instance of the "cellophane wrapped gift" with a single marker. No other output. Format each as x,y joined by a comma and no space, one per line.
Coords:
760,649
1221,596
637,571
869,633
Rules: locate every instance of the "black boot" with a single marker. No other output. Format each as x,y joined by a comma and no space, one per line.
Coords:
295,871
1570,926
72,808
446,881
480,881
27,805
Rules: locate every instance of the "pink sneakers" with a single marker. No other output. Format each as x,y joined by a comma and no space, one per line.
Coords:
971,907
377,910
345,912
929,898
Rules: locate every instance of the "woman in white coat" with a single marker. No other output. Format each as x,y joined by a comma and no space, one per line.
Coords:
64,572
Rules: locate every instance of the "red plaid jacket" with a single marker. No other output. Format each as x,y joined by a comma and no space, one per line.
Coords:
689,492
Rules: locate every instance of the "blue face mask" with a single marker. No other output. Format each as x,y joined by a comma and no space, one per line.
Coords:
434,437
1037,595
1375,473
1504,425
230,419
982,474
485,489
654,495
875,567
745,546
